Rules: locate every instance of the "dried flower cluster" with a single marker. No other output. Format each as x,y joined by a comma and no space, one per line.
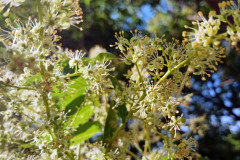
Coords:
54,99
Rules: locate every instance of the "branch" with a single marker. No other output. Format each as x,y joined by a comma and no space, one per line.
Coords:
17,87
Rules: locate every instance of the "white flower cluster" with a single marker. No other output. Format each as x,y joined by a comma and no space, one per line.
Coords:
29,79
156,80
61,13
10,4
20,42
207,32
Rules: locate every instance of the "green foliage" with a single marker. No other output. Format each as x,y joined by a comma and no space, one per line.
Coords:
76,90
122,112
72,107
111,124
233,139
35,79
85,131
105,57
81,116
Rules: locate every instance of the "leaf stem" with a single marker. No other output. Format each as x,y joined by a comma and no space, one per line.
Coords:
79,152
130,114
72,75
17,87
140,76
183,82
132,154
171,70
160,134
22,145
40,16
44,95
121,126
45,101
39,11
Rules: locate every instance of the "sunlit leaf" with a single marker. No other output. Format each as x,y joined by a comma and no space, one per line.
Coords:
81,116
73,97
85,131
33,79
105,56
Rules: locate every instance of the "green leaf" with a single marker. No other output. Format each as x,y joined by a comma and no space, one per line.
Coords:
115,82
87,61
73,106
87,2
85,131
111,124
27,145
105,56
67,68
167,157
122,112
82,115
73,97
33,79
78,85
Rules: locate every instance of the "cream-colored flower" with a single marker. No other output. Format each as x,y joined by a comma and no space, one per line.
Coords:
11,3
